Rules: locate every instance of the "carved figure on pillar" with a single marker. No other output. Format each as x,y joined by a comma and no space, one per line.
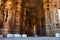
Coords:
8,16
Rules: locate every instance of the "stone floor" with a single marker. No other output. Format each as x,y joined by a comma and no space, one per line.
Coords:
32,38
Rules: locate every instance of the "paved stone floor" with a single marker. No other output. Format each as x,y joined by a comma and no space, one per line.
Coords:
32,38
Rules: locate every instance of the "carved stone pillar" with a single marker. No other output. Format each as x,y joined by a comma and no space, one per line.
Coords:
18,15
7,16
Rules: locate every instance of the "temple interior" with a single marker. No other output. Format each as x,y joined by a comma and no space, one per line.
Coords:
30,17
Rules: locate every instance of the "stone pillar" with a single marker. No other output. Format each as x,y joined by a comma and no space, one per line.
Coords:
7,16
50,7
1,16
18,12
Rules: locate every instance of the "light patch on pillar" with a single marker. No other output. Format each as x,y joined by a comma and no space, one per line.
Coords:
0,2
59,13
